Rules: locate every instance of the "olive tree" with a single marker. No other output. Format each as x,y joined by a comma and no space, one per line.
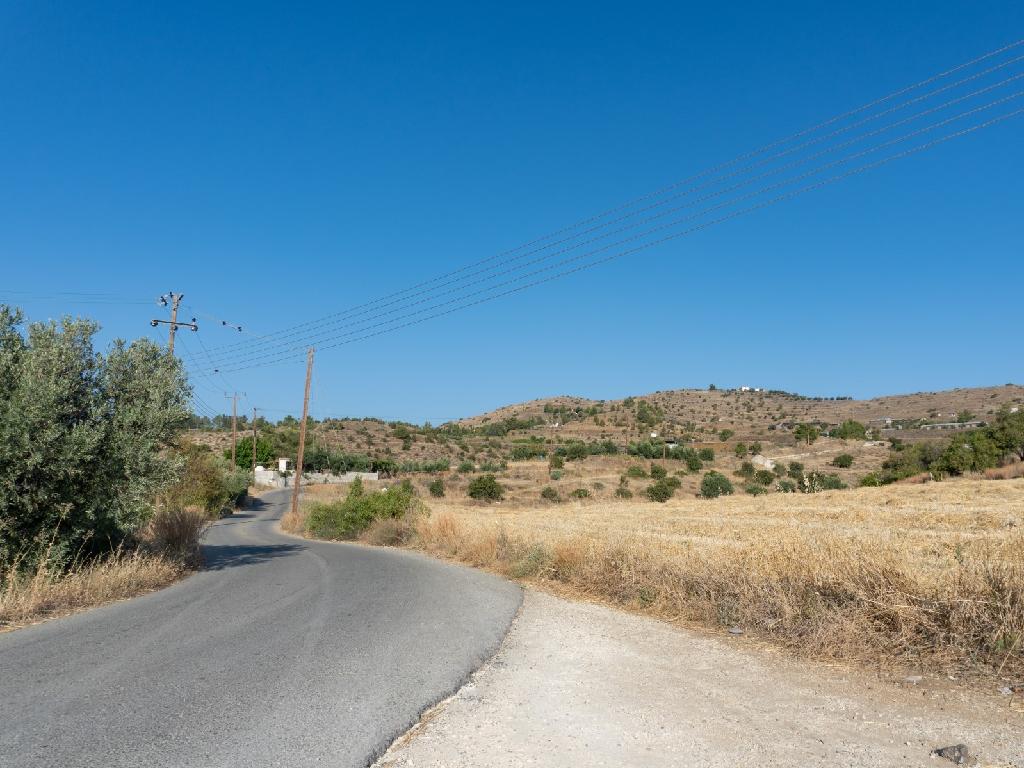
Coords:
83,437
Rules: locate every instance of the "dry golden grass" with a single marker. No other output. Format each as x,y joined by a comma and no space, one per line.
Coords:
168,549
927,574
26,598
1008,472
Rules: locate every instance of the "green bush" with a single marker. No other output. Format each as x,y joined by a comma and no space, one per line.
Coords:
849,430
706,454
764,477
786,486
348,518
436,488
208,482
725,434
754,489
660,491
658,471
741,450
622,492
818,481
556,462
843,461
796,470
555,474
635,470
580,493
485,488
466,466
870,480
550,494
715,484
746,470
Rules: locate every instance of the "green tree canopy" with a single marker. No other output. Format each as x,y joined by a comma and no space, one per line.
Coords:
83,437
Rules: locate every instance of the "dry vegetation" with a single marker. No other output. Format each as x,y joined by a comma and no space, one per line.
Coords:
166,551
925,575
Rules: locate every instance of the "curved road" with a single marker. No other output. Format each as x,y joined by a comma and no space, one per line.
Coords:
282,652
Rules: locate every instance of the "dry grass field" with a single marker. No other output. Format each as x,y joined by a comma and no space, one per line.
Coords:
925,576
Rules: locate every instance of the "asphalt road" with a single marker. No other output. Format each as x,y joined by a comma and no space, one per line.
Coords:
282,652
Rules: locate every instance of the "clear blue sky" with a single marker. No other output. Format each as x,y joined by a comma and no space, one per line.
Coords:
279,162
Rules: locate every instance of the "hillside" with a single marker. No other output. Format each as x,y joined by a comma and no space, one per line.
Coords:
515,441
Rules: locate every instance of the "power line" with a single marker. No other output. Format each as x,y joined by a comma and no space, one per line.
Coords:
232,359
705,225
292,331
633,238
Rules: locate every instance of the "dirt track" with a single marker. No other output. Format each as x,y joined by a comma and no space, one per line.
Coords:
584,685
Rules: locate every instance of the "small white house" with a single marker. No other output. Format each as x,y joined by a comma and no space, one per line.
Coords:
282,465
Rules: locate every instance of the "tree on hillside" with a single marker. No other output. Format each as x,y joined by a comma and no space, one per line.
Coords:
1009,432
806,433
83,437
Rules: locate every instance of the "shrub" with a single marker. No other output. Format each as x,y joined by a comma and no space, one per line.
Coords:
818,481
660,491
556,462
740,450
485,488
870,480
622,492
436,488
754,489
555,474
764,477
725,434
755,448
526,451
849,430
348,518
635,470
580,493
746,470
715,484
706,454
466,466
843,461
658,471
796,470
550,494
786,486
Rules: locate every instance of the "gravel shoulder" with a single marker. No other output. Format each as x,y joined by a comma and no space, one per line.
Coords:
585,685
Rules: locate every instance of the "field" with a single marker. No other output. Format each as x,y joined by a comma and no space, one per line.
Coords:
928,576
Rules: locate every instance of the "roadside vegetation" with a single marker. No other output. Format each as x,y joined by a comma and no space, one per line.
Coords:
99,498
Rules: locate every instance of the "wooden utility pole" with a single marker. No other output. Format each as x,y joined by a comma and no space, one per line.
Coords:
302,435
173,323
175,301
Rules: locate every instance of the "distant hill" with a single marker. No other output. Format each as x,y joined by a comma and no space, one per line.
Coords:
696,415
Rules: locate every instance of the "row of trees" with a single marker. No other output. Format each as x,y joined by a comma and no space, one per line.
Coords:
971,451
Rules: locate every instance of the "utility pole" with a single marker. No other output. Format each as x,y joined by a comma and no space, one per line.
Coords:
173,324
302,435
